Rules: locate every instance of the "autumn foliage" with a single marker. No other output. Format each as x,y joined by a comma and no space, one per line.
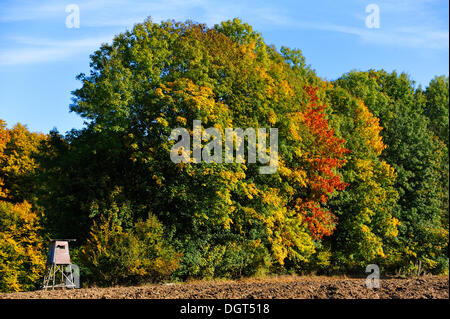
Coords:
358,179
323,163
21,244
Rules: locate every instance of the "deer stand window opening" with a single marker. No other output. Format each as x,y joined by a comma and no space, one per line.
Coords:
59,272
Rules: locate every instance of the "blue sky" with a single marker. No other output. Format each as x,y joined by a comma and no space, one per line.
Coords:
40,56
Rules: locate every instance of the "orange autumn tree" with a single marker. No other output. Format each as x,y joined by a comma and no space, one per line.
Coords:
324,156
4,138
21,244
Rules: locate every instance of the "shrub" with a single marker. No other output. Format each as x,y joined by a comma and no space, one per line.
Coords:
114,256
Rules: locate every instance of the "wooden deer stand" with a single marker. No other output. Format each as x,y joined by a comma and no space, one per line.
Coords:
58,270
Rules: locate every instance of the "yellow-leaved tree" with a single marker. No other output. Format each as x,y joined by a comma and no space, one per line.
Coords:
22,259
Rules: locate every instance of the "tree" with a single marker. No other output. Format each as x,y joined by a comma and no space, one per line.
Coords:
17,162
21,243
437,104
436,109
416,156
364,209
21,247
4,138
157,77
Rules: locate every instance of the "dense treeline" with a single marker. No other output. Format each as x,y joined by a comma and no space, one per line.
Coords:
362,176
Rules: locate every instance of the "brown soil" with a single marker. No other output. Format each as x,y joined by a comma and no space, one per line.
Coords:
275,287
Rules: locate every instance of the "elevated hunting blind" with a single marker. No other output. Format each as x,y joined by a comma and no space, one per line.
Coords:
58,252
58,272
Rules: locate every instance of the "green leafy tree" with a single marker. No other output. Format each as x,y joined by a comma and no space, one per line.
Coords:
365,208
80,178
416,156
436,107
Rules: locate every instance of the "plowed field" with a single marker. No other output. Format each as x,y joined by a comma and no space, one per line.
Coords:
278,287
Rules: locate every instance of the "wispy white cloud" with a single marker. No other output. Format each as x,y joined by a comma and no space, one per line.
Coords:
412,37
404,23
48,50
30,10
106,12
409,23
98,14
